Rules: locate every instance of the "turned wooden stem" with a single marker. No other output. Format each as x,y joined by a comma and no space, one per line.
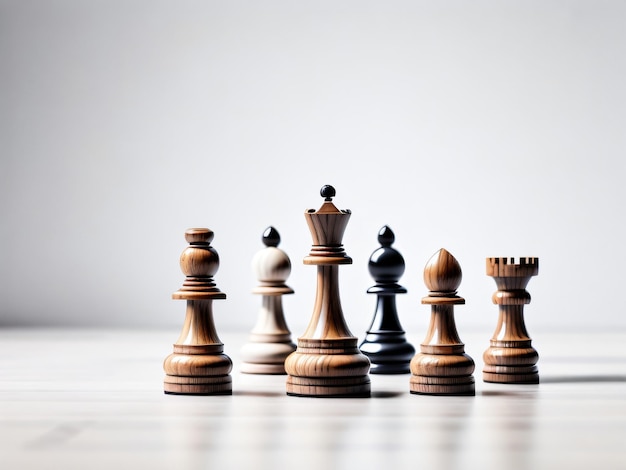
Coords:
198,333
442,336
327,320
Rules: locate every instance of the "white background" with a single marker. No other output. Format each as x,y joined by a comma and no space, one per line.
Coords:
490,128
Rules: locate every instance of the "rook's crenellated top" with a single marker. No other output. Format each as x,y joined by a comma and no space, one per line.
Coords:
507,267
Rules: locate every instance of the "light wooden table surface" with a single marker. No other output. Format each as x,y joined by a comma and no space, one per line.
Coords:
90,399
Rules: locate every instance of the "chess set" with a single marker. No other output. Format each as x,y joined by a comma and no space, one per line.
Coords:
327,360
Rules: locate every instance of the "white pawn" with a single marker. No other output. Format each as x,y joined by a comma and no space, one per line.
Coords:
270,340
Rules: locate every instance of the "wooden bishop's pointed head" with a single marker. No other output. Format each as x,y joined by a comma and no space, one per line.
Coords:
442,276
327,226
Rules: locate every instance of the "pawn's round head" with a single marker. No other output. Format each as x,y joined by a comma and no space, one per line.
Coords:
386,264
271,264
442,272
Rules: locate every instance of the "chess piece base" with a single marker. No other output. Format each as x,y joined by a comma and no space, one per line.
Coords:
197,374
266,357
328,368
450,386
175,385
511,374
388,353
511,362
442,374
352,387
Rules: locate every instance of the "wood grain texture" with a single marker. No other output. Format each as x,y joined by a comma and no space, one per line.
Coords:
327,361
198,365
270,340
442,367
511,358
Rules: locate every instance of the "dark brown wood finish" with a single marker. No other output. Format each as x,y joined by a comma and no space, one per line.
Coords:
511,357
442,367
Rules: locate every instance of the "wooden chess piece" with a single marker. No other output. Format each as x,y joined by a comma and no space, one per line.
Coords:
442,367
270,340
510,357
198,365
327,362
385,342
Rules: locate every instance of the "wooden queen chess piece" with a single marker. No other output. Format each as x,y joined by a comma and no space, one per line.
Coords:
270,340
198,365
385,343
510,357
327,361
442,367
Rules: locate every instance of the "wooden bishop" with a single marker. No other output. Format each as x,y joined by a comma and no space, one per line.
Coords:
327,361
510,357
442,367
198,365
270,340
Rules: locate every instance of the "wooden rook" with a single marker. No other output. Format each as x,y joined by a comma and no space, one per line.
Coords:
385,342
270,340
327,361
442,367
510,357
198,365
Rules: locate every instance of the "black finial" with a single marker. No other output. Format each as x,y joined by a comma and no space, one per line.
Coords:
271,237
386,236
327,192
386,264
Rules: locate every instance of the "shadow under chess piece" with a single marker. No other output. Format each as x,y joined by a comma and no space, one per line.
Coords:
327,362
510,357
198,365
442,367
385,342
270,340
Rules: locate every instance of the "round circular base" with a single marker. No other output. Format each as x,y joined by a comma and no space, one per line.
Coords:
517,374
490,377
267,369
451,386
389,368
176,385
326,387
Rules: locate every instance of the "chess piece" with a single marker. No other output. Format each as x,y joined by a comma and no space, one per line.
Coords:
442,367
270,340
198,365
327,361
385,342
510,357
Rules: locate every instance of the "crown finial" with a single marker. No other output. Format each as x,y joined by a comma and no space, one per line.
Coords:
328,192
199,235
